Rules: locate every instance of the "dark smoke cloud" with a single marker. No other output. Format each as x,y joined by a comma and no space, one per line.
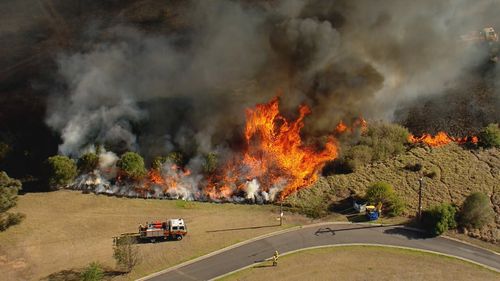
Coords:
188,90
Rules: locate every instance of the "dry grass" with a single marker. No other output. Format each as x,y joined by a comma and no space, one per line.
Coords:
365,263
66,229
458,173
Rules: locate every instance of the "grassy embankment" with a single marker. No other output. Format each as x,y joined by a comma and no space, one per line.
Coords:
453,173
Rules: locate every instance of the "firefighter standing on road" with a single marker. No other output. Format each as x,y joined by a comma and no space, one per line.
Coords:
275,258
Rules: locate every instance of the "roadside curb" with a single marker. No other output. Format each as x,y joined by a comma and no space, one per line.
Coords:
470,244
362,244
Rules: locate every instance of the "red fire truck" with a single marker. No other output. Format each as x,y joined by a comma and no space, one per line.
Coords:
174,229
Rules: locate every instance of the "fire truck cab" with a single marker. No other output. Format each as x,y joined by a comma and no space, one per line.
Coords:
173,229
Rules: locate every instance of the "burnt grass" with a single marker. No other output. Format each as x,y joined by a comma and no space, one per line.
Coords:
450,174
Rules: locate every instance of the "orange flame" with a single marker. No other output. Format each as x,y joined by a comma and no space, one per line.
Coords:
440,139
275,155
341,127
358,124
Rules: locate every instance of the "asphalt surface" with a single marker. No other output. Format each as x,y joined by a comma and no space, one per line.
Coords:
330,234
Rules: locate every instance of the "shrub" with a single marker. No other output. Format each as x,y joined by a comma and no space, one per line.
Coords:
357,156
61,171
379,192
8,196
9,219
432,172
439,219
396,206
93,272
476,211
88,162
173,157
126,253
413,167
210,163
382,192
379,142
132,165
385,139
490,136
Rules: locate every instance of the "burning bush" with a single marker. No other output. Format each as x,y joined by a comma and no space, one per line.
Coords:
490,136
131,165
61,171
476,211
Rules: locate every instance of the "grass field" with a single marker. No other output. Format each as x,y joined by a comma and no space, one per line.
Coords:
66,230
365,263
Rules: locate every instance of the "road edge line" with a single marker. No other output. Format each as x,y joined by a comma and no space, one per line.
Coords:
363,244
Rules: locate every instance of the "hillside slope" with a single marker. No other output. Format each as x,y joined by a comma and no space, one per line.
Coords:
458,172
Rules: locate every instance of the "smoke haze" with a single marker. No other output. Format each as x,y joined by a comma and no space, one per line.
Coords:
187,90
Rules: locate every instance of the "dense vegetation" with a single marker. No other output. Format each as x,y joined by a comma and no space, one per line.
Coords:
379,142
476,211
88,162
61,171
439,219
382,192
490,136
131,165
8,196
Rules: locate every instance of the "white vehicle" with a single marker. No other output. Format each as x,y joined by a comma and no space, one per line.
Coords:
174,229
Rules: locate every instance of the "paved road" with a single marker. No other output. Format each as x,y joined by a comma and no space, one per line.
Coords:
330,234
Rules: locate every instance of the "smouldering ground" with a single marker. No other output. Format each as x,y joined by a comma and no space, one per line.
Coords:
365,263
67,229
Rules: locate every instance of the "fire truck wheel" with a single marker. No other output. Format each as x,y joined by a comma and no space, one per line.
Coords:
178,237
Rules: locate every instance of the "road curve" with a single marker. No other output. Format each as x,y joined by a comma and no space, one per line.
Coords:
327,234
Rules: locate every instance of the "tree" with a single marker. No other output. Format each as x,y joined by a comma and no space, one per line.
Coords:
439,219
93,272
476,211
210,163
61,171
126,253
88,162
132,165
490,136
8,196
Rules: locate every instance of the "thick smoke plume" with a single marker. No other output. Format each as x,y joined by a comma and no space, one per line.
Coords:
187,90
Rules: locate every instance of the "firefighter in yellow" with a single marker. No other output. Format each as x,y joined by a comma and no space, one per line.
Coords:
275,258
